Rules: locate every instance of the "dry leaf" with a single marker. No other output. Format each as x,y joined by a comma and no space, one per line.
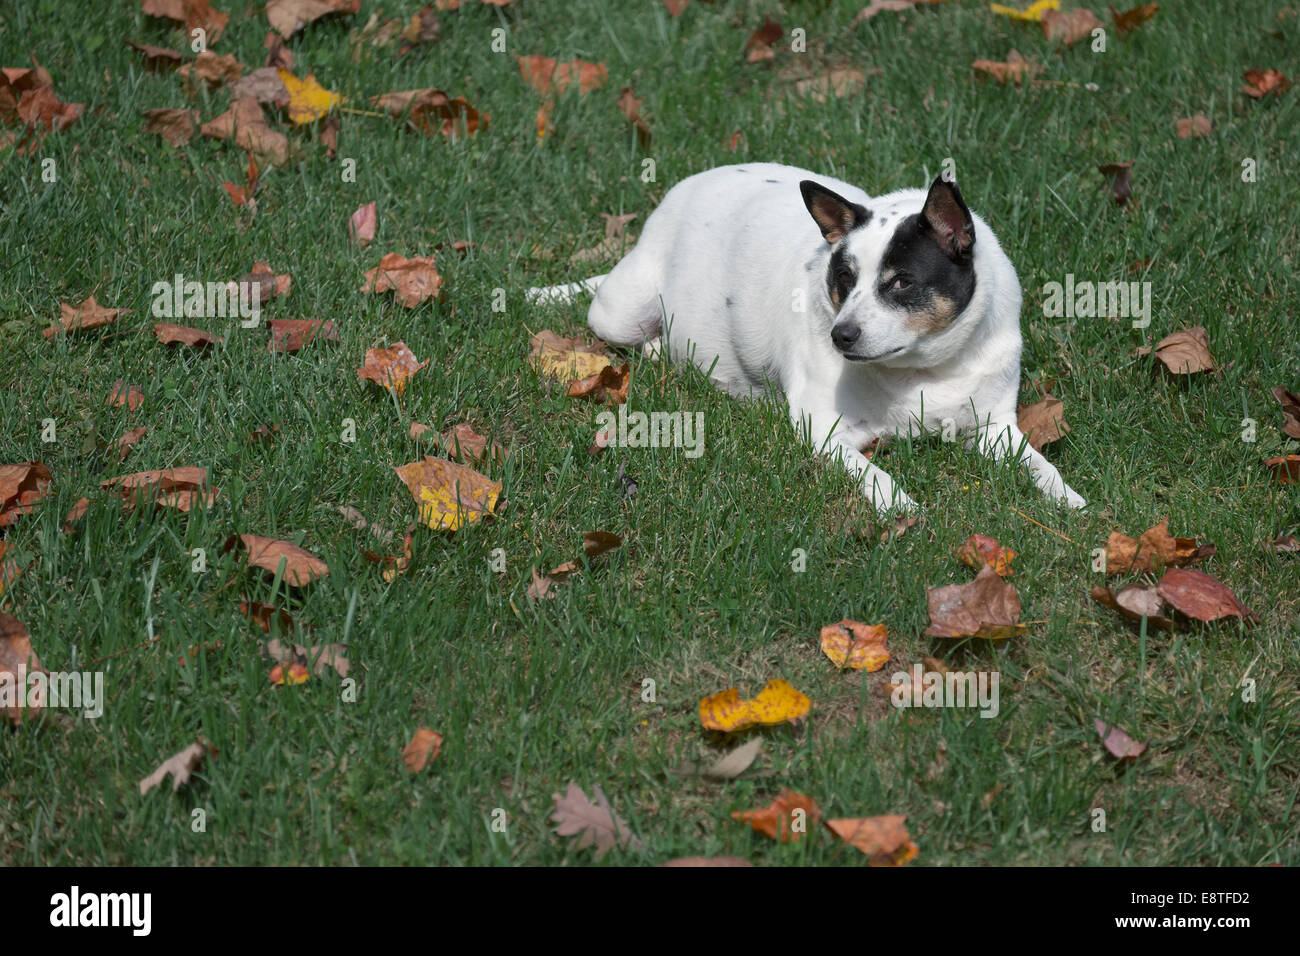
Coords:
246,125
704,860
425,745
736,762
170,334
290,335
88,315
308,100
614,244
213,69
1130,20
987,607
1285,544
594,543
269,285
1134,602
883,839
180,488
318,656
1069,26
778,819
180,766
1016,69
291,676
1201,596
17,660
565,358
1259,83
760,42
127,440
430,111
608,385
979,550
855,645
1184,352
361,224
547,75
675,9
1042,422
777,703
466,445
1156,547
157,59
1120,178
300,567
264,615
391,368
1286,469
881,6
1198,125
263,85
449,495
1290,411
594,824
287,17
21,486
1118,743
175,126
415,279
630,106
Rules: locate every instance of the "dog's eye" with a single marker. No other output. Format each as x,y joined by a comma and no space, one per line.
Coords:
844,276
900,284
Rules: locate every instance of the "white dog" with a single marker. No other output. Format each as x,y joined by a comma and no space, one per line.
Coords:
874,317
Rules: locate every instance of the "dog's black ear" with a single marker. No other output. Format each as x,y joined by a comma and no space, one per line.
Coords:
947,219
834,214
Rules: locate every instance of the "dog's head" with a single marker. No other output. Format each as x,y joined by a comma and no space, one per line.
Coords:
900,276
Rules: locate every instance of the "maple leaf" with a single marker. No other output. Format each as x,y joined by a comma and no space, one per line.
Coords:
776,703
287,17
594,824
609,384
430,111
855,645
213,69
391,368
547,75
733,764
565,358
1201,596
1130,20
1016,69
1259,83
290,335
169,333
180,488
175,126
245,123
262,85
468,446
449,495
415,279
88,315
1290,411
180,765
1155,546
1042,422
594,543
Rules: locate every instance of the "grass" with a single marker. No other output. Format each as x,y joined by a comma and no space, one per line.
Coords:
530,696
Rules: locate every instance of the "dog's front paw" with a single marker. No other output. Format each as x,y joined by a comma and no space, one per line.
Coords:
890,500
1071,499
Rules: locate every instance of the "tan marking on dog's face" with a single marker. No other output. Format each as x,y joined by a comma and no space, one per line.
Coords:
935,319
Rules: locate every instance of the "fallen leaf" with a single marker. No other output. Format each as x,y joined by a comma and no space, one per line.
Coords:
14,82
881,6
1120,178
777,703
180,488
263,86
308,100
157,59
899,527
1184,352
124,394
391,368
300,567
423,28
1285,544
883,839
170,334
468,446
1201,596
1117,742
1155,547
1130,20
1198,125
736,762
318,657
263,434
835,83
614,244
425,745
361,224
594,824
287,17
1286,469
415,279
292,676
77,512
269,284
180,766
264,615
788,818
449,495
1290,411
630,107
594,543
1032,14
565,358
213,69
608,385
760,42
979,550
987,607
675,9
17,660
127,440
278,56
1134,602
1069,26
21,486
290,335
1016,69
430,111
245,123
175,126
1259,83
547,75
88,315
394,565
42,110
1042,422
855,645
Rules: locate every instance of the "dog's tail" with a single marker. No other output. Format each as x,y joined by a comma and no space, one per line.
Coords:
564,293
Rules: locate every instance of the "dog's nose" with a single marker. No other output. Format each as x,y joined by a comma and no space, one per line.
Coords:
844,335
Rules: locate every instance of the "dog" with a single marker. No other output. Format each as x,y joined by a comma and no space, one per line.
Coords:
898,315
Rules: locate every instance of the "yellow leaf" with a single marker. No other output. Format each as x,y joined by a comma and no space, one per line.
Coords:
855,645
308,100
1034,14
450,496
777,703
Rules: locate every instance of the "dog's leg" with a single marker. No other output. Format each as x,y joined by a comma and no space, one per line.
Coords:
826,439
1003,439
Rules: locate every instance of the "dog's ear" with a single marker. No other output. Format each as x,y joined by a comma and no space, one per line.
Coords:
946,218
834,214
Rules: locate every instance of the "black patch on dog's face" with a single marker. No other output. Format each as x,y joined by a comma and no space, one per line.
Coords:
841,276
918,276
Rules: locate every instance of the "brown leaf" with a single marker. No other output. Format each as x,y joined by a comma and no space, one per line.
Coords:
987,607
329,134
40,109
127,440
278,56
547,75
1133,602
778,818
760,42
1290,411
245,123
262,85
17,660
675,9
180,766
21,486
1285,544
425,745
1118,743
1120,178
318,656
594,824
449,495
289,335
1286,469
14,82
124,394
884,839
1156,547
175,126
423,28
1259,83
287,17
361,224
877,7
270,285
76,513
899,527
1130,20
393,564
391,368
468,446
594,543
1185,351
263,434
213,69
88,315
565,358
157,59
1069,26
300,567
430,111
1198,125
731,765
265,614
979,550
1200,596
170,334
415,279
1015,70
608,385
630,106
1042,422
180,488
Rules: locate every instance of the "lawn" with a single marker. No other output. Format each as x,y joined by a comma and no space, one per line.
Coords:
532,695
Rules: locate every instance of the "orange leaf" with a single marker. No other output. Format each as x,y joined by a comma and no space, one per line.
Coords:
424,746
391,367
980,550
855,645
884,839
787,818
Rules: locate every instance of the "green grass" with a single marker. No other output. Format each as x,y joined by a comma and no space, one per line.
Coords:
701,597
